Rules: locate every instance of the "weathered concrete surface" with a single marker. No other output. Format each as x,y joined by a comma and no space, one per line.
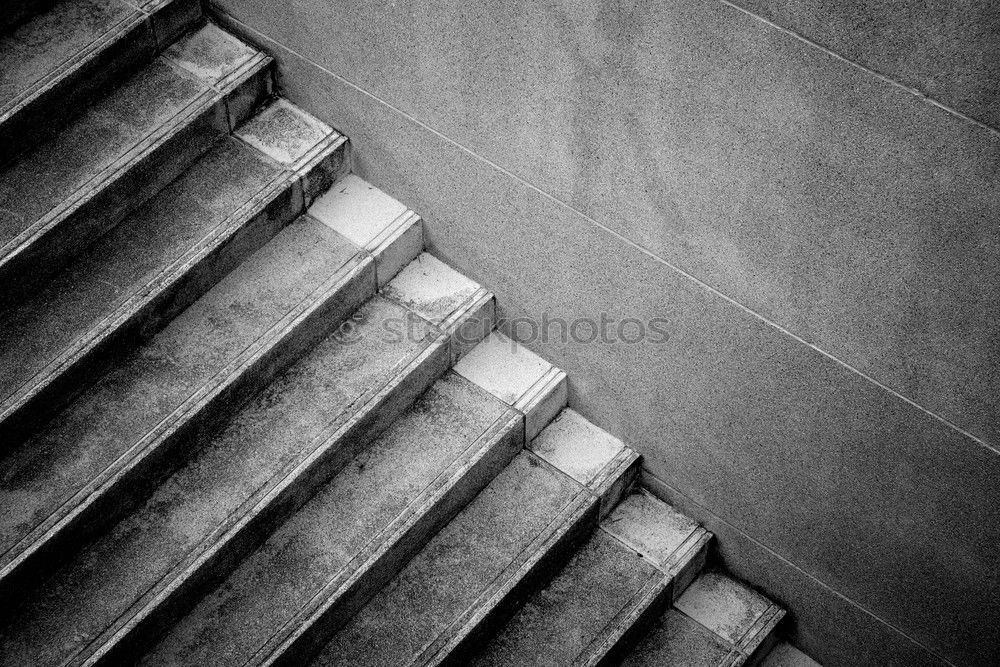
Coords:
123,262
129,401
453,569
819,472
39,48
557,623
317,545
678,641
273,430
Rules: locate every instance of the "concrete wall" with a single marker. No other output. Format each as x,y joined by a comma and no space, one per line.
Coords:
821,240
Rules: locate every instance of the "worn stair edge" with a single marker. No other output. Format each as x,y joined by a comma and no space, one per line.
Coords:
372,413
519,377
674,544
233,91
169,291
49,103
392,245
304,635
123,484
740,621
608,474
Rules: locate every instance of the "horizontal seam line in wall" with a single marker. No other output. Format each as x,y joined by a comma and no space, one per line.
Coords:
893,82
781,558
626,240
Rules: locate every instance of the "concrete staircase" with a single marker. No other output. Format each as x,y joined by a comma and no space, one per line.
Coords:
246,419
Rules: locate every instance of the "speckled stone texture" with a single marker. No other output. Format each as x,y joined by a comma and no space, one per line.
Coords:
33,52
122,262
318,543
447,576
41,180
678,641
557,623
430,288
274,429
947,50
757,430
131,399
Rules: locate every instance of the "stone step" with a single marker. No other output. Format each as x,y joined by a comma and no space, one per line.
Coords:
55,64
272,455
56,199
608,595
137,277
101,454
717,622
470,577
351,538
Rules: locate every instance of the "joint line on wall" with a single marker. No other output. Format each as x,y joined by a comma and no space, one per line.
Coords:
624,239
893,82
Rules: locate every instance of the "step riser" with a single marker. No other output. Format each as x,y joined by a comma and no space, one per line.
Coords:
613,648
56,103
460,644
119,492
190,278
49,244
375,414
306,635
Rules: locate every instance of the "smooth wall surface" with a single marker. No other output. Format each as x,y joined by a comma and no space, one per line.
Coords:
821,243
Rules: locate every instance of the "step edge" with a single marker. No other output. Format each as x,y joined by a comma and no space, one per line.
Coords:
627,627
557,540
64,71
193,409
501,440
210,106
156,287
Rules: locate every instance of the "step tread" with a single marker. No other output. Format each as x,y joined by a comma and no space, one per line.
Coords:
87,438
262,439
717,622
129,261
455,568
114,144
42,48
558,623
321,543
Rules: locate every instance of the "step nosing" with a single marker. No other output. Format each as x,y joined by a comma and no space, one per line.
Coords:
132,304
383,542
641,602
141,149
576,510
336,431
194,403
63,70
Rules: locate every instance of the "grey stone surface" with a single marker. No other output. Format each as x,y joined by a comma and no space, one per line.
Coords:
723,605
826,469
786,655
36,50
323,540
126,260
678,641
946,50
558,622
453,569
131,399
845,209
274,429
42,180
